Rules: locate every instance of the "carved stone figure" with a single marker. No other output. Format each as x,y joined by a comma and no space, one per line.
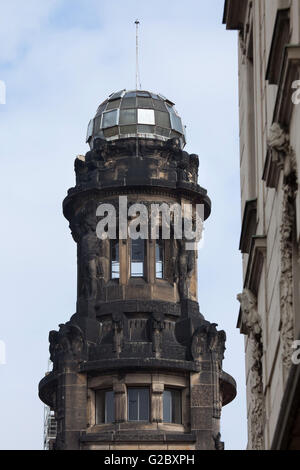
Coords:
250,318
117,325
278,140
207,339
279,143
199,343
251,325
219,445
286,279
67,344
90,247
158,325
186,266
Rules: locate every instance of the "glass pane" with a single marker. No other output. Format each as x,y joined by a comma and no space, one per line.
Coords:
113,104
90,130
143,404
176,406
109,407
97,122
161,131
167,405
128,103
176,123
100,407
130,94
114,96
137,257
101,108
109,119
162,119
115,260
127,116
159,105
146,116
159,259
132,404
144,103
143,129
111,131
128,129
143,93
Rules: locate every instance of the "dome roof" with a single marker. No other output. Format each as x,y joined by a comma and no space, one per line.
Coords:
136,113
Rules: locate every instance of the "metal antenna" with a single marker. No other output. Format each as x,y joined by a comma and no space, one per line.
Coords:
137,75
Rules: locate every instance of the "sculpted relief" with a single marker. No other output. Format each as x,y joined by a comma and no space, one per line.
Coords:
252,326
283,153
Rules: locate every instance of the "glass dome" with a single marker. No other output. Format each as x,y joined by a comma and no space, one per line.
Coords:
136,113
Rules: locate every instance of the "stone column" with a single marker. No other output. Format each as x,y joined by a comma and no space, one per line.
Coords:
120,402
157,402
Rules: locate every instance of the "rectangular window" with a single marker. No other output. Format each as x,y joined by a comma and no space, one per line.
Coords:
146,116
159,259
110,119
105,407
137,258
172,406
114,259
138,404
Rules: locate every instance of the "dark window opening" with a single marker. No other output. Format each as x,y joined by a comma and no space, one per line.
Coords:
137,258
105,407
172,406
114,259
159,259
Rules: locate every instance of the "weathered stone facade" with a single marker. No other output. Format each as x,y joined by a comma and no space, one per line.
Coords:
269,68
142,332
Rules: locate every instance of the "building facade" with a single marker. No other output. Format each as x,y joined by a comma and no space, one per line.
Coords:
137,366
269,73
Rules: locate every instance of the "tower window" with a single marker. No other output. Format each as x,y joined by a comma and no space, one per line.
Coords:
105,407
159,259
137,258
172,406
114,259
138,404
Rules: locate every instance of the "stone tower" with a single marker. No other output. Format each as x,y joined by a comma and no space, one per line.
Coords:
137,366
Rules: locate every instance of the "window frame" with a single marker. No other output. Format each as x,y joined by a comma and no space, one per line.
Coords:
138,405
111,242
163,276
172,391
143,276
104,393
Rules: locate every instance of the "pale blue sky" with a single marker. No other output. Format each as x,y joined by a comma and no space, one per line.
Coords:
60,59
